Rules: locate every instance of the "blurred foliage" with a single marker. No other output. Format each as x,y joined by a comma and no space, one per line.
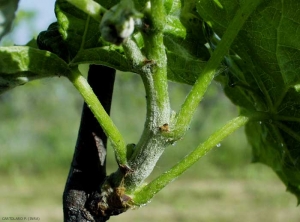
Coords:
7,15
38,126
40,120
22,17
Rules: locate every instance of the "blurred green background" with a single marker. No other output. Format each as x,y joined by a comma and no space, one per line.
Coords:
38,128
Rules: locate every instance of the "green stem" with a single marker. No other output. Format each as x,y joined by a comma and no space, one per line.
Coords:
156,53
158,14
189,106
145,194
103,118
90,7
153,70
133,54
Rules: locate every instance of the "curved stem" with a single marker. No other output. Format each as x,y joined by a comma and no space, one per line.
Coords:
153,71
100,114
189,106
156,54
143,195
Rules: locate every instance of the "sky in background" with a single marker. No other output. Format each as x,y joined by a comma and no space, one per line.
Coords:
44,17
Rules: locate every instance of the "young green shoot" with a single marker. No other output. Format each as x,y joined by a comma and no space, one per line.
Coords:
103,118
196,94
145,194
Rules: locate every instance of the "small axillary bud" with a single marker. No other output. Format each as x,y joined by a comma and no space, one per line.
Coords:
118,23
164,128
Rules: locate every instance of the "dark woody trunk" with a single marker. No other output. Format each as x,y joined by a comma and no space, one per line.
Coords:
88,168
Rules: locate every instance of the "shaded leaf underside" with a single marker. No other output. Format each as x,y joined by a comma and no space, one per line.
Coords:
21,64
263,80
7,15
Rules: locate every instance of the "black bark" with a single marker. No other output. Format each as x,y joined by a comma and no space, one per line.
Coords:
88,167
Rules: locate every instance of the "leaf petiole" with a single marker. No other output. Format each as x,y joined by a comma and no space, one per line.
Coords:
196,94
143,195
103,118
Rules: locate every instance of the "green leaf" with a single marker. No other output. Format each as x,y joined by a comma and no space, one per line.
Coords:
172,6
263,78
21,64
191,35
32,43
51,40
76,38
140,5
182,69
78,30
106,55
278,149
174,27
193,24
108,4
184,41
74,31
7,15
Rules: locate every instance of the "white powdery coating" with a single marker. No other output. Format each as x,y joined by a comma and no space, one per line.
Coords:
128,28
145,161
